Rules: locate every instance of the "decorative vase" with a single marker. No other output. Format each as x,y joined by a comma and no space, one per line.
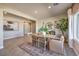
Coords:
44,33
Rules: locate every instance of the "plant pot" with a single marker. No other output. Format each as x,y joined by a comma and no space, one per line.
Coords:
44,33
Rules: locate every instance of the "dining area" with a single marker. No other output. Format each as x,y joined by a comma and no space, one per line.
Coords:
49,37
50,43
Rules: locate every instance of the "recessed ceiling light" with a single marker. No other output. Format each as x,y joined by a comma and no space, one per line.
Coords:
35,11
49,7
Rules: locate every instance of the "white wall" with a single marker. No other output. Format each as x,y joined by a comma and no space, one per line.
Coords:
39,23
1,28
15,33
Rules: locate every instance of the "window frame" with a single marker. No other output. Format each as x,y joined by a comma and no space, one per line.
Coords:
75,26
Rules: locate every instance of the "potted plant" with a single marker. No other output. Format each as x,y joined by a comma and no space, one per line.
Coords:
44,30
62,25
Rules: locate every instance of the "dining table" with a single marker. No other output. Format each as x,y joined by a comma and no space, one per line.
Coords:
47,38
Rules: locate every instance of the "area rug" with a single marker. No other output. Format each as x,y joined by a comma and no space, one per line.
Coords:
34,51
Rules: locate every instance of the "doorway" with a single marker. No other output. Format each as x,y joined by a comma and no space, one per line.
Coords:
29,27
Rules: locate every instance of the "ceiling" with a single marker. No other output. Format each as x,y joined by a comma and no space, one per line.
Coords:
39,10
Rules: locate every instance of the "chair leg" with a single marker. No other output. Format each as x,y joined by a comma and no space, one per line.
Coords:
33,43
36,44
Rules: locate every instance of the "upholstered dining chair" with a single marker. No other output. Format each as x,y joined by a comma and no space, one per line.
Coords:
34,41
42,43
28,38
57,45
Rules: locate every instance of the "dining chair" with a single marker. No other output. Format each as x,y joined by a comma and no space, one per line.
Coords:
42,43
28,38
57,45
34,41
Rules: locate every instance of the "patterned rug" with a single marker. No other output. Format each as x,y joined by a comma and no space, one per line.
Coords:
34,51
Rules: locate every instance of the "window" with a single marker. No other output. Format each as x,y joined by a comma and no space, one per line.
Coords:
77,27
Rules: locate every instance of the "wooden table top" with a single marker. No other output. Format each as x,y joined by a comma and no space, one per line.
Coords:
47,36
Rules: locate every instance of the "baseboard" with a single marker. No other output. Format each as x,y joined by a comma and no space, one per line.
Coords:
1,47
